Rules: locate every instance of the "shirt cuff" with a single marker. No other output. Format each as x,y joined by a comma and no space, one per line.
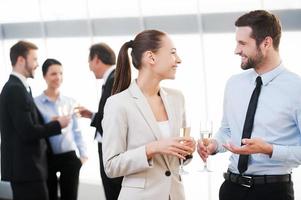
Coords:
220,147
150,162
83,153
188,159
93,116
138,156
280,153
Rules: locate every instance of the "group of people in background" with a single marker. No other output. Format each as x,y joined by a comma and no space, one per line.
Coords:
138,122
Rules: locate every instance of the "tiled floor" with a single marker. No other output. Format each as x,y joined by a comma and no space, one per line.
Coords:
91,191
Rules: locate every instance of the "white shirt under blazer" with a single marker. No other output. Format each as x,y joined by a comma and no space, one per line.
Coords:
130,124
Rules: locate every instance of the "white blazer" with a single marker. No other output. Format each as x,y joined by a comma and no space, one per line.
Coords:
128,125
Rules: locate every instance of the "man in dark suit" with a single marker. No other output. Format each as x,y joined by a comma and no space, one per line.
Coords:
101,61
23,133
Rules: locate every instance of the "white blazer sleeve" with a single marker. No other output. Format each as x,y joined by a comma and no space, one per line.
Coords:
118,160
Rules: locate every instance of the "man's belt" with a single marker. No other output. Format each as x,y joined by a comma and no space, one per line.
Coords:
251,180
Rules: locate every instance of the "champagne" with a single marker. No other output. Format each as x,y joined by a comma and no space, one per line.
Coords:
206,130
185,132
206,135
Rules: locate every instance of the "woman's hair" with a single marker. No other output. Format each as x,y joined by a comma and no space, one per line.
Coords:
148,40
48,62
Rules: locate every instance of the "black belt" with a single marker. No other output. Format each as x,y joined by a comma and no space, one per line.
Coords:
251,180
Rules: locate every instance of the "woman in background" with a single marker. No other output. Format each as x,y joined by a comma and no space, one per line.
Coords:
142,122
63,148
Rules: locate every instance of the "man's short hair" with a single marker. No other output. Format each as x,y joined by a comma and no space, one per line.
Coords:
263,24
21,48
103,52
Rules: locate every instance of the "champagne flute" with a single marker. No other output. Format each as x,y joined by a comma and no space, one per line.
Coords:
206,130
184,132
75,109
64,109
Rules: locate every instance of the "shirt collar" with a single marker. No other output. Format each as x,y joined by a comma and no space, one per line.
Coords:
268,76
107,74
22,78
45,98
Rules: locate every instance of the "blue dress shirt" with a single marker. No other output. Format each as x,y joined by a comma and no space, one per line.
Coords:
72,140
277,119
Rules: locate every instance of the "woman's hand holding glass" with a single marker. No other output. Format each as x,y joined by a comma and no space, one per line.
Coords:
190,142
175,146
185,133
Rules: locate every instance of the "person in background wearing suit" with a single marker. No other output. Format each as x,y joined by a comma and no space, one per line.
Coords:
142,122
62,157
101,61
23,131
265,144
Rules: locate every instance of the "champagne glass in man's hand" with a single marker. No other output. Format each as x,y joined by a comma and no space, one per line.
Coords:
65,111
206,128
63,120
81,111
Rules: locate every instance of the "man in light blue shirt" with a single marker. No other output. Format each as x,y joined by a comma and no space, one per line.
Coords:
274,147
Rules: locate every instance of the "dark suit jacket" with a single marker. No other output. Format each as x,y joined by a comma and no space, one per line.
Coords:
23,147
106,93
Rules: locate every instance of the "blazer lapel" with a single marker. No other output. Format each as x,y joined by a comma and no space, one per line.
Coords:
148,115
35,113
171,113
170,109
145,109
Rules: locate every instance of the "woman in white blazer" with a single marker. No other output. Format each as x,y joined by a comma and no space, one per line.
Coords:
142,122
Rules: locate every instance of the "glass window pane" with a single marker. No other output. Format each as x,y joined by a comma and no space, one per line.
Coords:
115,43
5,66
63,10
168,7
19,11
289,46
279,4
113,8
213,6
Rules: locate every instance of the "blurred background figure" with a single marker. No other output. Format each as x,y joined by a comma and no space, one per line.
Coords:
142,121
23,131
62,157
101,62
